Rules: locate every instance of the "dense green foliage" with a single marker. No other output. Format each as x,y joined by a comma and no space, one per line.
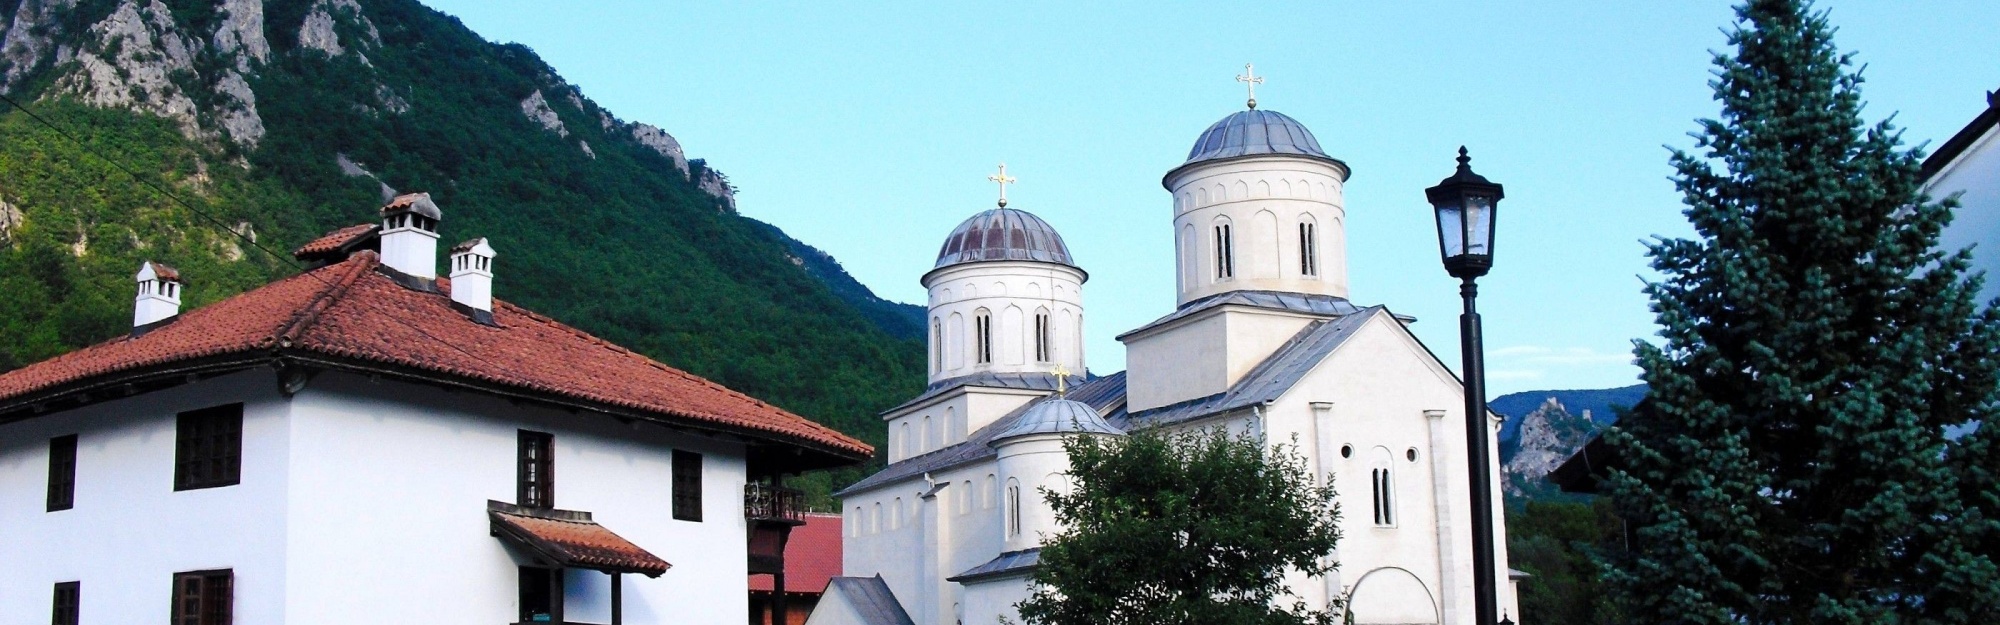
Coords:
1183,528
1553,542
618,242
1795,461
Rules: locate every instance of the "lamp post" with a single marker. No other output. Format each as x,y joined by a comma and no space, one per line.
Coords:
1465,205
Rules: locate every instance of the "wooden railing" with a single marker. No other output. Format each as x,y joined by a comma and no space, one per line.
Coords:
763,502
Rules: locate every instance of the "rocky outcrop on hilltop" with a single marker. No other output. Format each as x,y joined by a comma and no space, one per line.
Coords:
1549,436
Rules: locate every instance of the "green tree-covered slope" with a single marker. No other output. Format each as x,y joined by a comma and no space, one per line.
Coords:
599,222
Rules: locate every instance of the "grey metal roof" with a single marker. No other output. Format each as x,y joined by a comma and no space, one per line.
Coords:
1058,415
872,600
977,445
1024,381
1270,379
1003,234
1009,563
1252,132
1276,300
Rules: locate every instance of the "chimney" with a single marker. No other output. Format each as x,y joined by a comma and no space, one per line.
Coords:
409,235
472,275
159,295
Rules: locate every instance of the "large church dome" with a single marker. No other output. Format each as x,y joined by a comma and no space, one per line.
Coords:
1003,234
1252,132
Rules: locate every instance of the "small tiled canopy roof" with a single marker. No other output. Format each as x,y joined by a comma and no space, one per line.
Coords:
354,315
572,540
338,244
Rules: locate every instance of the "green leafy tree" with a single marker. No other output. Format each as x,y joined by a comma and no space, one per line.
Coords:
1798,459
1194,527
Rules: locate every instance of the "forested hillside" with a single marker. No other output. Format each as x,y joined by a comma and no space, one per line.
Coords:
286,118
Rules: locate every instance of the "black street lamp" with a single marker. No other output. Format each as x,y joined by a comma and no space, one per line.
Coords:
1465,205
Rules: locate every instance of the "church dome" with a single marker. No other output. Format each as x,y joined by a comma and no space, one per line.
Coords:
1058,415
1003,234
1253,132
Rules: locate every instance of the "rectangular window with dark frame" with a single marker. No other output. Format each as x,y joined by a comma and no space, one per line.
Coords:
68,602
536,473
204,597
208,448
687,486
62,473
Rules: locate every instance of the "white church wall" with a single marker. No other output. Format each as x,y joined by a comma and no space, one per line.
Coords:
1975,174
1261,198
129,530
1178,363
891,543
992,601
1027,464
389,508
952,416
1009,292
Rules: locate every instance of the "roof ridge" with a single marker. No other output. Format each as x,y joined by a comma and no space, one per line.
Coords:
308,315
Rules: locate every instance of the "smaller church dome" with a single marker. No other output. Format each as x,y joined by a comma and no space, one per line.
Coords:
1058,415
1252,132
1003,234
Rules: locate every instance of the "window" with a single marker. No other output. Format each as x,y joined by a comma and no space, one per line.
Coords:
982,329
896,516
1042,343
62,473
687,486
203,597
208,447
68,602
1225,253
1308,250
875,522
986,493
1385,505
535,477
937,346
541,594
1013,507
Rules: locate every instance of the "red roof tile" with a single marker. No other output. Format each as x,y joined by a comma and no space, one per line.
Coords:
333,242
353,315
812,556
572,540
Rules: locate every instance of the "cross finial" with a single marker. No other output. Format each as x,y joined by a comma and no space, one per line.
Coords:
1062,380
1003,179
1249,77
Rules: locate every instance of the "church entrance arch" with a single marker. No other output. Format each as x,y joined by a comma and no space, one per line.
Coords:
1392,596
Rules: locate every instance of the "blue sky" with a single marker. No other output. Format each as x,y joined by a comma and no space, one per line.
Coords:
868,130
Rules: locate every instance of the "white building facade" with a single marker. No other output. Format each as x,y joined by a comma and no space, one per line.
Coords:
302,453
1263,340
1967,167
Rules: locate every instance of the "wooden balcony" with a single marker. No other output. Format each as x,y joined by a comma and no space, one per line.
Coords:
763,503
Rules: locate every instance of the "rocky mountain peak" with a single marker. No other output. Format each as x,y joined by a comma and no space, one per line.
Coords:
1549,434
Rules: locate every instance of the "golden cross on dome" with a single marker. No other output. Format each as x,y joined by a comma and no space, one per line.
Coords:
1003,179
1250,77
1062,380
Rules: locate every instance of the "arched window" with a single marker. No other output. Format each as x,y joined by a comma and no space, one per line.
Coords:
982,336
1308,249
1385,498
937,345
1043,346
965,497
930,436
854,522
1013,508
875,521
1225,252
986,493
909,443
896,518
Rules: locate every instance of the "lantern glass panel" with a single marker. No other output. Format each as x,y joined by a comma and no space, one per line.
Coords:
1479,225
1451,229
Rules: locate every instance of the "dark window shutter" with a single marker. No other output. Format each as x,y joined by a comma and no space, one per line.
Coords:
62,473
208,447
687,486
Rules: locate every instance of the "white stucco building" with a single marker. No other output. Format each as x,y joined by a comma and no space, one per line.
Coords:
1264,339
366,442
1967,166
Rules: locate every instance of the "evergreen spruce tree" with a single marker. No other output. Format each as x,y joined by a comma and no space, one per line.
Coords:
1802,455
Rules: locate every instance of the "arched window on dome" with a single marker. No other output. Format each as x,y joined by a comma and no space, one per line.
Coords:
1308,247
1225,251
982,336
1013,508
1044,347
937,345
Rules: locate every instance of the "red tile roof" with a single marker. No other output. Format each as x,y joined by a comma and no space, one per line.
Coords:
572,540
812,556
353,315
334,242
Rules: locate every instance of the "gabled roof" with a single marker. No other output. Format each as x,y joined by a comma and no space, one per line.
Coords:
1271,378
812,556
357,315
873,602
1273,300
978,445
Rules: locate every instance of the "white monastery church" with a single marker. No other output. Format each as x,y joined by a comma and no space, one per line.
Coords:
1264,339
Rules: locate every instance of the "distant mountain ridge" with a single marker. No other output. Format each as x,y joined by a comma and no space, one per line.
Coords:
284,119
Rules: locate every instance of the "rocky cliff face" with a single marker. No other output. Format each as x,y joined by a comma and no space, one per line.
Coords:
1549,435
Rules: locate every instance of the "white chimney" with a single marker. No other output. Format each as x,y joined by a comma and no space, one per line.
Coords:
409,235
159,294
472,274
